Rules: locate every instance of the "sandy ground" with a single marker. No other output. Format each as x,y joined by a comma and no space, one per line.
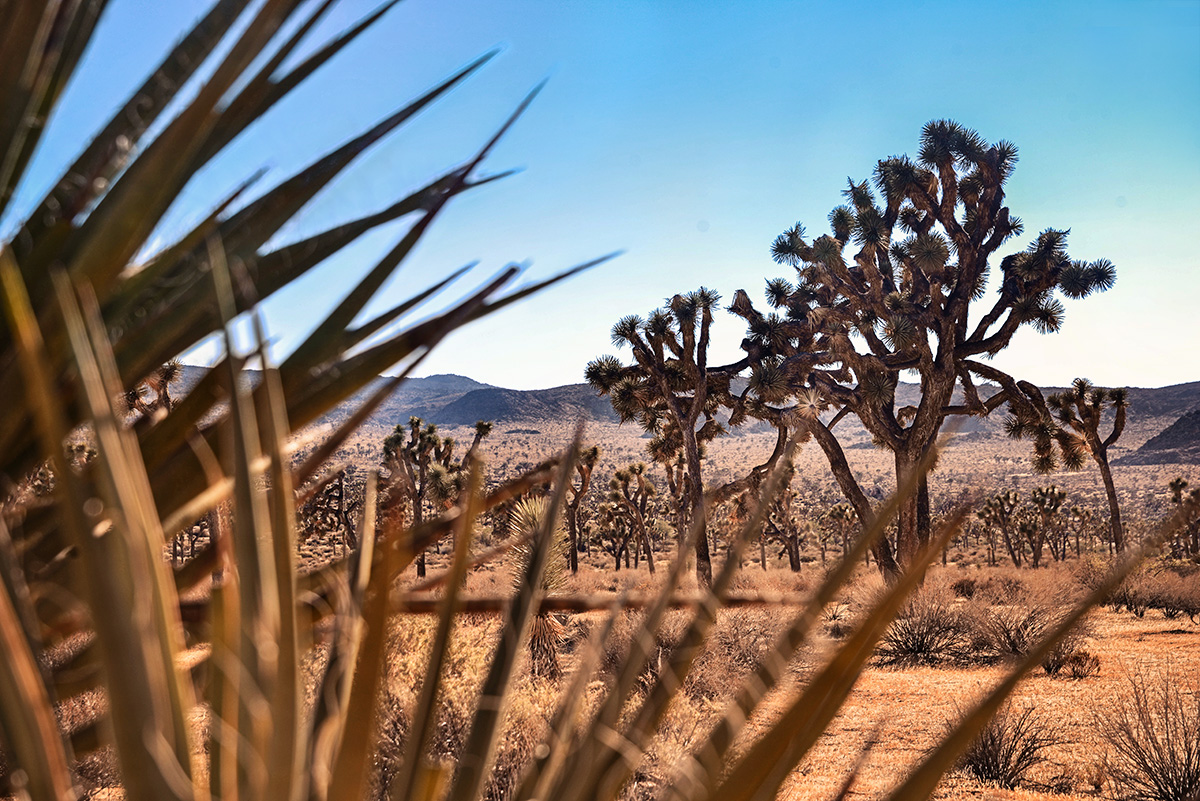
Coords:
911,707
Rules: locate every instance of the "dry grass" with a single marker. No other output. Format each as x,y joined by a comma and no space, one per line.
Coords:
908,705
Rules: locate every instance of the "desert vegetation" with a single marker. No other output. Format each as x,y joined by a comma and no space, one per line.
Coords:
225,591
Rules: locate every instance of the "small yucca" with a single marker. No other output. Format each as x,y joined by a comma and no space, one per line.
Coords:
546,632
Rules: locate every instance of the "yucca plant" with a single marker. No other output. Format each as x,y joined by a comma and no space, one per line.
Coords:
546,632
93,311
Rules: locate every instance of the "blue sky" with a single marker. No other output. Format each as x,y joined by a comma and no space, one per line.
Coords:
689,134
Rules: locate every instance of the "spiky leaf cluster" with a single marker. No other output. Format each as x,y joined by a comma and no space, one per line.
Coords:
1068,432
668,366
890,288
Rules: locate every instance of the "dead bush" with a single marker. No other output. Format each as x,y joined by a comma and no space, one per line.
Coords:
1003,588
1011,631
1012,744
929,631
736,646
1133,595
1152,729
1083,664
1174,595
965,587
1068,651
1059,655
617,647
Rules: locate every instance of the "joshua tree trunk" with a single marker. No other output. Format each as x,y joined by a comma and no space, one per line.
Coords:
1114,508
696,512
649,550
854,494
912,524
792,546
573,533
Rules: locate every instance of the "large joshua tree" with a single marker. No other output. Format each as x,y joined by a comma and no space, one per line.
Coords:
1071,431
906,300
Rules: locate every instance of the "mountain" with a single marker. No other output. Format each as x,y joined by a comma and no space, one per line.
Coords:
1173,412
568,403
1178,443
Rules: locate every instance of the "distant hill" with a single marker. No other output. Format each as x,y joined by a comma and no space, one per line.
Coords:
1173,412
1178,443
569,403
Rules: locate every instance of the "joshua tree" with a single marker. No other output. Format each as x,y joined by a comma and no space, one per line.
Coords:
842,517
849,326
673,394
667,390
630,492
575,494
615,530
1000,514
781,524
152,395
1043,525
1072,423
1189,535
1080,522
778,523
422,472
330,510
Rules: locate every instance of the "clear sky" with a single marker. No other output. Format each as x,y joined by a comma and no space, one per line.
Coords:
690,133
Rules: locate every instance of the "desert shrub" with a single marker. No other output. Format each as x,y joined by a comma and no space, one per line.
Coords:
1003,588
928,631
617,646
1082,664
1012,744
1089,571
1173,594
1065,651
965,587
1013,630
1134,594
836,619
1152,729
766,582
737,645
1056,660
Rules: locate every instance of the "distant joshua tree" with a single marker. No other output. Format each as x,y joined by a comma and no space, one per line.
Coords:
1044,525
999,513
153,395
421,470
779,524
906,298
575,494
630,491
1073,425
330,510
1189,535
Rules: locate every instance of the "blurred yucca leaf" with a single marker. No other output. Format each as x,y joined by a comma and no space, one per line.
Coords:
91,313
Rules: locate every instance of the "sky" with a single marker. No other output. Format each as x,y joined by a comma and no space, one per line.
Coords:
689,134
